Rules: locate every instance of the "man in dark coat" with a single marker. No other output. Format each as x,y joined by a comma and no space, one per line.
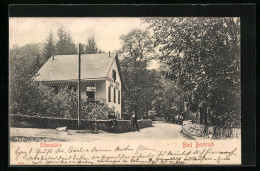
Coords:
134,122
153,119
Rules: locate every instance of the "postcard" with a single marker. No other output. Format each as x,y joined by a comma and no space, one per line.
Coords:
124,91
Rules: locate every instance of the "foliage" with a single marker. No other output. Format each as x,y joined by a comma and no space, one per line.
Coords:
42,101
32,98
65,45
24,62
94,111
91,47
141,87
137,45
168,99
140,83
49,47
203,55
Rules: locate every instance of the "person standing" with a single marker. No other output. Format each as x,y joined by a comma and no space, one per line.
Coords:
153,119
134,122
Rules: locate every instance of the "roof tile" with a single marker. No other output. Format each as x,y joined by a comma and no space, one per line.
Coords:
65,67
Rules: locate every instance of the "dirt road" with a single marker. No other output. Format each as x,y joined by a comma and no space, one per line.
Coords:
158,131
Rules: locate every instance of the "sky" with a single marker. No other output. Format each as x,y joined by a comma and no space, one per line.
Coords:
106,31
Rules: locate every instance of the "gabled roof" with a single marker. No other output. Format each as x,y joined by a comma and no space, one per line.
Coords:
65,67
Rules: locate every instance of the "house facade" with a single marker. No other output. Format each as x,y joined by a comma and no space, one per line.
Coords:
101,79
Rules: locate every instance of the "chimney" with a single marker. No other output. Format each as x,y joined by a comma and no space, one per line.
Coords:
109,53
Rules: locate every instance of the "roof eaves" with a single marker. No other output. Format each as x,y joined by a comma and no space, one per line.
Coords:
119,71
75,80
110,67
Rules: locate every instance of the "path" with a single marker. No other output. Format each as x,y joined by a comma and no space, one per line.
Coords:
158,131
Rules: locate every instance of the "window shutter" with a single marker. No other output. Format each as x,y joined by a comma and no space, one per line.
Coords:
114,95
109,93
118,97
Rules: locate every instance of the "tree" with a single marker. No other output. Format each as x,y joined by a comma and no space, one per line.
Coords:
137,50
49,48
91,47
24,62
65,45
204,59
28,97
137,45
168,103
140,90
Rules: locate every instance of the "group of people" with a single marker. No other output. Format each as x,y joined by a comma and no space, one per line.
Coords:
177,119
133,120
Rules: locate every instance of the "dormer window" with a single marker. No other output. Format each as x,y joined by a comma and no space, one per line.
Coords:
114,75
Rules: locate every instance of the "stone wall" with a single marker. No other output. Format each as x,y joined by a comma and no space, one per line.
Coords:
52,123
198,130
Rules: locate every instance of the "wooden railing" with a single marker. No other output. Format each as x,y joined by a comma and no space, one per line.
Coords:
97,100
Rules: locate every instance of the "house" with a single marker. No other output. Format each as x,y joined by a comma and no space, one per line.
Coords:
101,79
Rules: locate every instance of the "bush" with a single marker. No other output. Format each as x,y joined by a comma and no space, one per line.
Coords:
42,101
36,99
93,111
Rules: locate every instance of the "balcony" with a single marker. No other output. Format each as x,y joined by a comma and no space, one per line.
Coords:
96,100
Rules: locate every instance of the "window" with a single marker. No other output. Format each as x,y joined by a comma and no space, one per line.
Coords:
72,88
114,95
90,91
55,89
118,97
109,93
114,75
